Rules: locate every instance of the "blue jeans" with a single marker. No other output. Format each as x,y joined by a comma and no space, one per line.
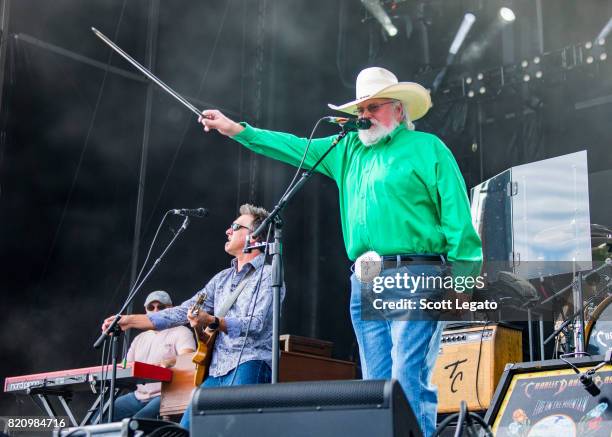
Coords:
403,350
251,372
128,406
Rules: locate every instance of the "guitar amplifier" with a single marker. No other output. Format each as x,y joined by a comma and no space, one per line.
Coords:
471,362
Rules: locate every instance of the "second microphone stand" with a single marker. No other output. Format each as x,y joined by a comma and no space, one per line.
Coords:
275,249
114,331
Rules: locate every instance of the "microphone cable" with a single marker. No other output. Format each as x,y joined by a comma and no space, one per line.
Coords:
300,166
465,420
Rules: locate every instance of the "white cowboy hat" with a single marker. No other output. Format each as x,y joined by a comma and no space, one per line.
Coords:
379,83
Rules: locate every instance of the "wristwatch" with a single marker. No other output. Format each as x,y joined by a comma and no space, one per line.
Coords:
214,325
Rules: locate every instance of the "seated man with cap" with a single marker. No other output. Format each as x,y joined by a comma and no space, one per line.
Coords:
151,347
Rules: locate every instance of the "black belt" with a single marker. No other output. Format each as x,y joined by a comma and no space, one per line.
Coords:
415,259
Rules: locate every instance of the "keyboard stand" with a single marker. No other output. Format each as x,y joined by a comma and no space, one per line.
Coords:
41,397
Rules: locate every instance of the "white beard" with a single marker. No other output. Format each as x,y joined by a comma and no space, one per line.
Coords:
376,132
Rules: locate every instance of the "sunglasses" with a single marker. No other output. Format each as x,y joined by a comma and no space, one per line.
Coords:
156,306
372,107
237,226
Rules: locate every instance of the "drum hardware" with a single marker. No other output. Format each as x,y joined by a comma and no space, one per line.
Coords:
559,293
580,336
561,342
601,241
579,319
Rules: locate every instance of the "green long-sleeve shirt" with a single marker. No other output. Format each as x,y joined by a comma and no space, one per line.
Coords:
404,194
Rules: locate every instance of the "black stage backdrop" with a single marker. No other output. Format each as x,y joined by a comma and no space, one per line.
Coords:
73,134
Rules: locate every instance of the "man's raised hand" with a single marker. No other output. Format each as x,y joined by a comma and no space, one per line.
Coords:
213,119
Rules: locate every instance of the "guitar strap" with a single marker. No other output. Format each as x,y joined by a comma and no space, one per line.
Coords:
234,296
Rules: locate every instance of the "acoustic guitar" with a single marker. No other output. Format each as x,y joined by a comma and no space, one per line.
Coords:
206,343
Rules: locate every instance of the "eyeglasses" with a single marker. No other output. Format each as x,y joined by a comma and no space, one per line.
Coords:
156,306
236,227
372,107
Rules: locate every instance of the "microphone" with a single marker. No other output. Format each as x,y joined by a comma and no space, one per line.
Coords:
589,385
257,245
195,212
586,378
350,123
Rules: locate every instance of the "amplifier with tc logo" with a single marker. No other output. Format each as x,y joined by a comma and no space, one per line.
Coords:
470,364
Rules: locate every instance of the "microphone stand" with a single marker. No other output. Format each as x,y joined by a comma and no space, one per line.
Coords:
275,249
114,331
607,263
579,311
578,306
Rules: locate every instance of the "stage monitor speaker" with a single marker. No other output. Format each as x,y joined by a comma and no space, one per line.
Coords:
304,409
126,428
547,398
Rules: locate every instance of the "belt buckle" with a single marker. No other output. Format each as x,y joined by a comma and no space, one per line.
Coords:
368,266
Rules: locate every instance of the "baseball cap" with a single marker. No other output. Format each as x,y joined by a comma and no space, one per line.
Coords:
160,296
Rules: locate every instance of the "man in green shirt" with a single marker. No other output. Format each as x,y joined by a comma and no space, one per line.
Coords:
402,196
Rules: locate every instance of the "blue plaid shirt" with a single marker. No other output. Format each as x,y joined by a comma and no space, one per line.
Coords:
218,289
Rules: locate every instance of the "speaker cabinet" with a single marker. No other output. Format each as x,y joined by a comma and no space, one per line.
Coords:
304,409
471,362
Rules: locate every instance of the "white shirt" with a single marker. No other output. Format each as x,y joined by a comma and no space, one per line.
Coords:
150,346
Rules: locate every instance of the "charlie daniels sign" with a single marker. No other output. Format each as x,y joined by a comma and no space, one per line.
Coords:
555,404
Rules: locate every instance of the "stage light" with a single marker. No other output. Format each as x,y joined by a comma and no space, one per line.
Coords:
478,47
532,69
507,15
474,85
605,31
375,8
464,28
595,51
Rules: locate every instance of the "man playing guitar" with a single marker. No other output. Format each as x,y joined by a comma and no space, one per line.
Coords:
237,306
